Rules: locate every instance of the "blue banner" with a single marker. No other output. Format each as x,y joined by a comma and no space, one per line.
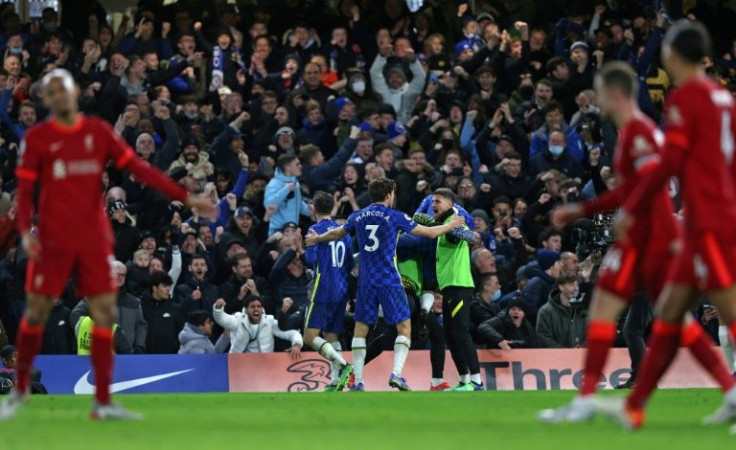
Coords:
137,374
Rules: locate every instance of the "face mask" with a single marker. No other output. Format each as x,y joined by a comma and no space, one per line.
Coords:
447,143
191,114
526,91
556,149
496,295
51,27
359,87
16,50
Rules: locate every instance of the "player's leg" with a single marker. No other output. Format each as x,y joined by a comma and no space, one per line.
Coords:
318,316
30,337
102,310
397,312
359,347
674,303
605,307
449,327
725,301
437,353
727,346
638,320
704,351
96,282
460,316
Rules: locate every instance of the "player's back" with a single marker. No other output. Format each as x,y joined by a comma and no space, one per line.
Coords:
332,263
700,118
376,228
639,146
69,163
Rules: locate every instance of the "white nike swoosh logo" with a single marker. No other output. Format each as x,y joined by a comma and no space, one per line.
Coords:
84,387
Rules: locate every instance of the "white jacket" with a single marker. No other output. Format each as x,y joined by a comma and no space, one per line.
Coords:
250,337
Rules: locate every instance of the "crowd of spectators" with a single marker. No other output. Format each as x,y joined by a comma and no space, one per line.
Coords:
261,104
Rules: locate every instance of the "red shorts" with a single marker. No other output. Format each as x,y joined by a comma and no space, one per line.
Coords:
627,269
92,269
705,262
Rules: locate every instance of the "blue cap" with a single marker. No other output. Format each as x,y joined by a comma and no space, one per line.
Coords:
462,46
547,258
340,103
395,129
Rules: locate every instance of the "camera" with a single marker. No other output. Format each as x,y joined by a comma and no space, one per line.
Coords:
593,235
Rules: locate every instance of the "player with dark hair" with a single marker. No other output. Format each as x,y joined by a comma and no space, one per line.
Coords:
639,261
66,156
699,150
331,263
455,280
379,283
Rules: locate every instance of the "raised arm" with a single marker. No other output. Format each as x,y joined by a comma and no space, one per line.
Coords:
332,235
435,232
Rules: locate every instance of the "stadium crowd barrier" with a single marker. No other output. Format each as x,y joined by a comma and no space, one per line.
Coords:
276,372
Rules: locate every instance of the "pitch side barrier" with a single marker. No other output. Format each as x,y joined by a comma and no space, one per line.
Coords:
276,372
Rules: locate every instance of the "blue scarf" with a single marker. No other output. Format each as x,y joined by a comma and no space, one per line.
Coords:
218,64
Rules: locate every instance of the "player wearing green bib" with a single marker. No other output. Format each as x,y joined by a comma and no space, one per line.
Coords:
456,284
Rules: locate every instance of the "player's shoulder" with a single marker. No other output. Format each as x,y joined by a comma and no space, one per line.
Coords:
96,123
41,128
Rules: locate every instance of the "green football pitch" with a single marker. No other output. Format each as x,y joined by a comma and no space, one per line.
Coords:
390,420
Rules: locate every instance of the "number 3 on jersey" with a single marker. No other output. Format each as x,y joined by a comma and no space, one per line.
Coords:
373,242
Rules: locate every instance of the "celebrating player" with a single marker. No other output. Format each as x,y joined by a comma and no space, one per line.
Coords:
332,264
639,260
379,283
455,280
66,156
699,149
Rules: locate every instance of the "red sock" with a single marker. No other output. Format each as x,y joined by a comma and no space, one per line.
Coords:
601,335
702,348
28,343
663,345
732,327
102,360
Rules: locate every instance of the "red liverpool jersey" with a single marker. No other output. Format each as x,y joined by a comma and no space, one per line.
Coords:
639,148
699,149
68,163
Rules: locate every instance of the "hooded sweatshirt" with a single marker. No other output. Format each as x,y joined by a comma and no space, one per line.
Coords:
290,207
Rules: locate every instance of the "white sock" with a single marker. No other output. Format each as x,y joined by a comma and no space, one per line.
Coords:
475,378
426,301
727,346
465,379
358,358
401,351
334,367
437,381
328,351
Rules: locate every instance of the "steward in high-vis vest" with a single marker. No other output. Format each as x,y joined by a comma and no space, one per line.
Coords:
83,333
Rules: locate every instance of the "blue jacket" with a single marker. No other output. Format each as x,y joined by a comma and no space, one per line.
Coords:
536,292
289,209
540,142
18,130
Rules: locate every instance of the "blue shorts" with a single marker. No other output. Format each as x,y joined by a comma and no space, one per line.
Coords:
392,300
328,317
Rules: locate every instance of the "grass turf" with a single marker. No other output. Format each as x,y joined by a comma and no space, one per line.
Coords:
426,420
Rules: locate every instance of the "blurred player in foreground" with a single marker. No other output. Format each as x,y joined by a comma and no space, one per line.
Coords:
66,156
640,260
699,150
